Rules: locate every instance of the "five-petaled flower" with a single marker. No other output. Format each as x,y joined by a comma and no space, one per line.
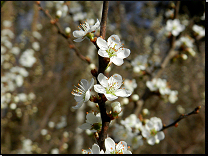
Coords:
113,148
110,87
82,94
85,31
93,122
112,49
151,131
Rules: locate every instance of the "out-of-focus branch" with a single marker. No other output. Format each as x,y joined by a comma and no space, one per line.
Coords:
169,55
175,123
69,40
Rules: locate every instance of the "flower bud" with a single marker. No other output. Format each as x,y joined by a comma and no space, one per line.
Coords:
116,106
67,30
145,111
135,97
58,13
184,56
125,101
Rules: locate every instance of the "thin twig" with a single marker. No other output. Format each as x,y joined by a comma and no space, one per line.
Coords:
69,40
182,116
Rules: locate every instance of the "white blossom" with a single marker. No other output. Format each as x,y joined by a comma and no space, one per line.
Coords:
112,148
174,27
27,59
85,31
82,94
93,122
198,30
112,49
130,84
110,87
151,131
173,96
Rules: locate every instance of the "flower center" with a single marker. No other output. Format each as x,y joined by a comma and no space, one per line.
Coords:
153,132
96,126
111,89
112,51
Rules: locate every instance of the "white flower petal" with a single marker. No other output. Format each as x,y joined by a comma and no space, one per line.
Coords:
91,84
91,118
102,44
121,145
109,144
123,93
95,149
123,53
160,135
117,61
79,39
127,152
103,53
114,38
96,26
87,96
118,79
103,80
84,83
85,126
78,104
151,140
111,97
79,33
99,89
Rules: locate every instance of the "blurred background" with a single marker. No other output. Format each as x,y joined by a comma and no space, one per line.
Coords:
39,71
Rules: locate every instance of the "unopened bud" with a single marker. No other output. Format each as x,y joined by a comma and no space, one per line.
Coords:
67,30
135,97
58,13
184,56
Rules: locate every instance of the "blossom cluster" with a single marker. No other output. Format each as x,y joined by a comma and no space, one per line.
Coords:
161,86
13,76
133,130
111,148
185,45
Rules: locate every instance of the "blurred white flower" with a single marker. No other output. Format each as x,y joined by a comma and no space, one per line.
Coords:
130,84
36,46
173,96
139,63
174,27
151,131
15,50
7,23
200,31
37,35
55,151
27,59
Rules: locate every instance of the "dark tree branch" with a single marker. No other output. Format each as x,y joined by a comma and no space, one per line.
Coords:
103,62
182,116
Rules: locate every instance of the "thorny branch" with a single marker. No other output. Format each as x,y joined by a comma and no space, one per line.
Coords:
69,40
